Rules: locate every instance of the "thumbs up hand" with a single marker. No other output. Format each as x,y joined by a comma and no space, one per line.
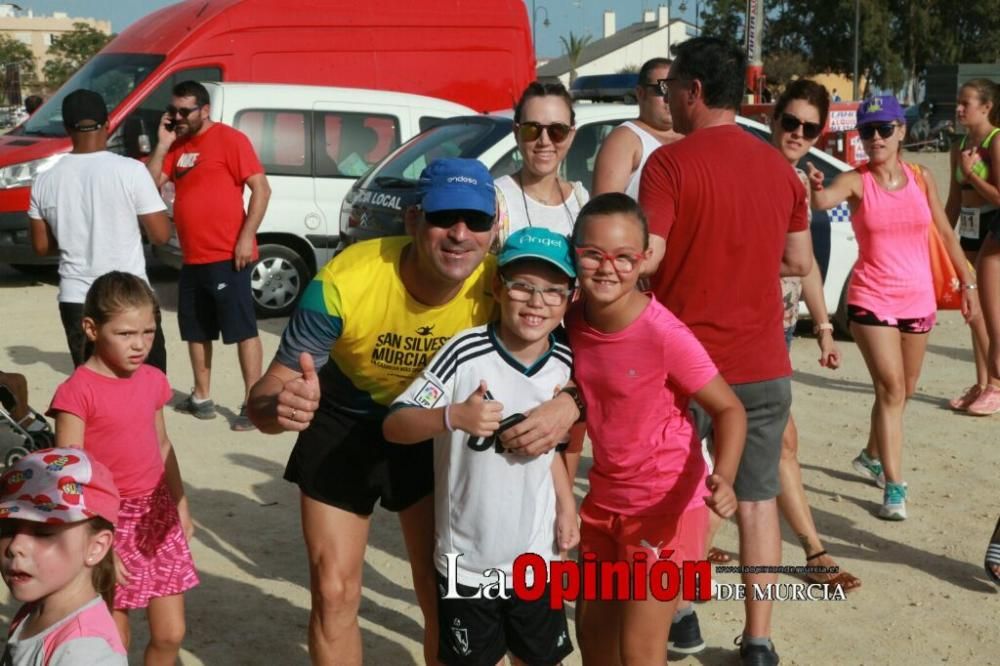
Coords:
477,416
299,398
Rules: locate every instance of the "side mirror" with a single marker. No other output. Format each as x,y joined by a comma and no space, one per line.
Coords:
137,143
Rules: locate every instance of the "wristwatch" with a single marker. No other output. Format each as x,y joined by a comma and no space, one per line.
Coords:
574,393
818,328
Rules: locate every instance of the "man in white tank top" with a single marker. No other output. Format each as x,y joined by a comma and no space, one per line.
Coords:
622,155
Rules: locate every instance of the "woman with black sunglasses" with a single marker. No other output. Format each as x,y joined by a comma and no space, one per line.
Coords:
799,117
535,195
890,300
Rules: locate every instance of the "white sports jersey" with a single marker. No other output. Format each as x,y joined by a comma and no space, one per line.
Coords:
489,506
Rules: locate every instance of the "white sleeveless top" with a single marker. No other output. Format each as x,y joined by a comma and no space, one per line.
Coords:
516,210
649,144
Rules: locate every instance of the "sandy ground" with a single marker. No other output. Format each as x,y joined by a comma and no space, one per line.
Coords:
925,598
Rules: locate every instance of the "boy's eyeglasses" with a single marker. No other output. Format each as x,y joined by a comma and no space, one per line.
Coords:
790,123
591,259
530,131
522,292
475,221
181,111
885,130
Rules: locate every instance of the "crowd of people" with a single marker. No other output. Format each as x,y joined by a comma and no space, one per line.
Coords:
452,375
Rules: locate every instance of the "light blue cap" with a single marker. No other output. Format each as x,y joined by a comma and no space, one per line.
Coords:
541,244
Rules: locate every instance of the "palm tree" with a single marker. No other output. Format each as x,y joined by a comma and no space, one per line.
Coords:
574,47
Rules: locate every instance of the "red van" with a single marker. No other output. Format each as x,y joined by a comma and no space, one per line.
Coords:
475,53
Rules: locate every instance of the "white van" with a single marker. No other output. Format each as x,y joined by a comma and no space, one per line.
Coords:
314,142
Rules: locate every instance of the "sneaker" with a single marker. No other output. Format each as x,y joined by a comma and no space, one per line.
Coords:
757,655
893,502
988,402
962,402
870,467
201,409
685,636
242,423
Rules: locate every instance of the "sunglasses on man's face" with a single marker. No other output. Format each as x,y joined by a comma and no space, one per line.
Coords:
181,111
664,85
531,131
885,130
475,221
654,89
790,123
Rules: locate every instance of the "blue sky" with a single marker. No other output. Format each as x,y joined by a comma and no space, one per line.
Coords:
579,16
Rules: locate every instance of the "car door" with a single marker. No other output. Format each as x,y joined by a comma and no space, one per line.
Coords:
348,139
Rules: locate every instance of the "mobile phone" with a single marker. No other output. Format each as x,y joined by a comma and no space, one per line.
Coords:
169,125
506,424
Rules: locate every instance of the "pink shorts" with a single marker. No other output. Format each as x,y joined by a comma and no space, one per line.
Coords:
614,536
151,544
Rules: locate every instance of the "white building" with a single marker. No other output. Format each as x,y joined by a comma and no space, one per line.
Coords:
626,48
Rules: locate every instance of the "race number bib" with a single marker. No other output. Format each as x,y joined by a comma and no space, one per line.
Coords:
968,223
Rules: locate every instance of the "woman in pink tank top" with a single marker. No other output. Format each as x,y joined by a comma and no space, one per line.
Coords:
890,300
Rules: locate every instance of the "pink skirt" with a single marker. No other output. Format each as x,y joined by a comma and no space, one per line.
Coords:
151,544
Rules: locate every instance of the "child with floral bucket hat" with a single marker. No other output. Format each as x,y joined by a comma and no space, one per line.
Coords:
58,511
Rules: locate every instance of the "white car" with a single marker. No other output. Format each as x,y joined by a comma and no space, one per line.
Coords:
314,142
376,203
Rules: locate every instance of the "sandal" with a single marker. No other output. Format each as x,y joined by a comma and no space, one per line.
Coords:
718,556
843,579
993,555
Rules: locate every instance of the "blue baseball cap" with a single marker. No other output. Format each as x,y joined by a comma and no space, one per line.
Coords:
879,109
541,244
455,183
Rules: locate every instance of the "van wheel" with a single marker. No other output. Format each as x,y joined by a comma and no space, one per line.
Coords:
277,281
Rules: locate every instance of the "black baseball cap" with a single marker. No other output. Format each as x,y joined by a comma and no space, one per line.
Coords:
84,111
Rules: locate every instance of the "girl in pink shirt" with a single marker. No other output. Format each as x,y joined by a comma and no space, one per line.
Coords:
636,366
112,406
890,300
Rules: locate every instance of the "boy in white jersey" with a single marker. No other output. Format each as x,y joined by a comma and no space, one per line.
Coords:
491,506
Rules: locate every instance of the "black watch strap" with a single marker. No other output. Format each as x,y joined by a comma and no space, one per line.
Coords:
574,393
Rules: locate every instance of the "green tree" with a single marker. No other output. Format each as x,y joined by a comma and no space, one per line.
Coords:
781,67
70,51
724,19
17,67
574,47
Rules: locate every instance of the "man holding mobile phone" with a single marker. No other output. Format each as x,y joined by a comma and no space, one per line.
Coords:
210,164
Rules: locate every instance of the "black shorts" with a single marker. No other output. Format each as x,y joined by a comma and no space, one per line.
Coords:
860,315
343,461
478,632
212,298
989,222
80,348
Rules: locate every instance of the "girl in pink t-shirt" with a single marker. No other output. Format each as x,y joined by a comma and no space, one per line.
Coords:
112,406
636,366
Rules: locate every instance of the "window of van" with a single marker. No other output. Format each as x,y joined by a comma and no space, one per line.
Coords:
113,75
346,145
461,137
280,138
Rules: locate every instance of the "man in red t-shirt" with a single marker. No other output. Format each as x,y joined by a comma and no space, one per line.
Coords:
210,163
727,216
